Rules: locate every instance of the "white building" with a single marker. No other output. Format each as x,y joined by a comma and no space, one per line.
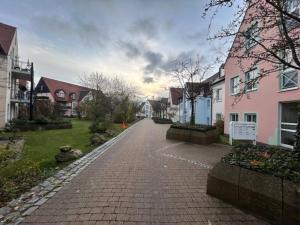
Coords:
15,77
218,97
146,109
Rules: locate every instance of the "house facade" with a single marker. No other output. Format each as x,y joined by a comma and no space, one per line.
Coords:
16,78
175,94
272,103
202,102
63,95
218,97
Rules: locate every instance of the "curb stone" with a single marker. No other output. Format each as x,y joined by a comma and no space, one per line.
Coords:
17,209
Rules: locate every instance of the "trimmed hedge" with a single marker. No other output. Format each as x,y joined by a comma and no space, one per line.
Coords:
162,120
40,123
200,127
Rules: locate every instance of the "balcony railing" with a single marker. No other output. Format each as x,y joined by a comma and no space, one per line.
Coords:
20,96
21,65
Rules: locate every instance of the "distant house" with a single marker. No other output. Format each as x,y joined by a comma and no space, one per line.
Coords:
65,95
146,109
15,78
218,96
175,94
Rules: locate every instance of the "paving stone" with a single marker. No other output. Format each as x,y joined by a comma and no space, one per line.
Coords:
142,179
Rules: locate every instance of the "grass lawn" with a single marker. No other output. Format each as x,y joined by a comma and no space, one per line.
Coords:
39,151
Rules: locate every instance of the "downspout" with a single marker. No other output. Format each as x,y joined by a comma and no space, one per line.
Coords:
31,93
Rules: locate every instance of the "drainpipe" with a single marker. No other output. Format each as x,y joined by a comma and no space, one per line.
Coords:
31,93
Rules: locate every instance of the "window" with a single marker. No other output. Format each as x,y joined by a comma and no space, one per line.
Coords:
250,80
288,76
252,36
73,96
234,117
234,85
250,117
292,5
218,95
60,94
219,117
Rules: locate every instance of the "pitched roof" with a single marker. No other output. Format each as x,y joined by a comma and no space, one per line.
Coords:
176,94
7,33
55,85
212,78
154,103
197,88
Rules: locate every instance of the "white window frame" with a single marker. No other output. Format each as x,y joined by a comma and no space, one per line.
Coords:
249,76
233,114
234,88
252,36
250,114
288,70
61,94
219,95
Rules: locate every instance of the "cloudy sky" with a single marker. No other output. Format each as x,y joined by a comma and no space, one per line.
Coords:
137,40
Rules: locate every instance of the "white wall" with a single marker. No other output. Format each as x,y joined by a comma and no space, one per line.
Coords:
218,106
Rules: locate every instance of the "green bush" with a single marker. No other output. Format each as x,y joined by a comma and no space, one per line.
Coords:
100,127
6,155
220,126
41,120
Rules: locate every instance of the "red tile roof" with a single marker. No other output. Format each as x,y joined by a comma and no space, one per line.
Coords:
6,37
176,94
55,85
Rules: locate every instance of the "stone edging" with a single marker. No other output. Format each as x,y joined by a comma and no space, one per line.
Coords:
16,210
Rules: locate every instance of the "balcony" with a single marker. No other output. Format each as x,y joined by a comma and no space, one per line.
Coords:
21,70
20,96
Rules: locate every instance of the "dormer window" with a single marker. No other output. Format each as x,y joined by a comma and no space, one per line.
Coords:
73,96
60,94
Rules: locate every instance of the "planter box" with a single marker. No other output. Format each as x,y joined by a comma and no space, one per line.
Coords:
197,137
275,199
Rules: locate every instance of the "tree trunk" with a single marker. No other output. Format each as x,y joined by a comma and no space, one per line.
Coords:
192,120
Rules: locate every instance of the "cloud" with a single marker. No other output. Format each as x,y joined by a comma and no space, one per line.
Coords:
145,27
131,50
71,29
148,80
154,60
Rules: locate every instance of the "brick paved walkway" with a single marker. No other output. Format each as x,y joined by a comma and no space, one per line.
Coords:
136,183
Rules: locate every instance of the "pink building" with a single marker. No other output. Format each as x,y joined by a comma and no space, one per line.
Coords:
273,102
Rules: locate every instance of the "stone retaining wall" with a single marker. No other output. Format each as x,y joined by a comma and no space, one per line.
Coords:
275,199
197,137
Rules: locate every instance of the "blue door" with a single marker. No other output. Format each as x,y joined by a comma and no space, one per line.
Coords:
203,111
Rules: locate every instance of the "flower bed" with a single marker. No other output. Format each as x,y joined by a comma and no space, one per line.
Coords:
199,134
277,161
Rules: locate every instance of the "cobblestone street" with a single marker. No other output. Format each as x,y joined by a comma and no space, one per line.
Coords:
143,179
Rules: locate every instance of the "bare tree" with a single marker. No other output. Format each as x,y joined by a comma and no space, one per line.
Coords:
190,74
108,94
264,31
